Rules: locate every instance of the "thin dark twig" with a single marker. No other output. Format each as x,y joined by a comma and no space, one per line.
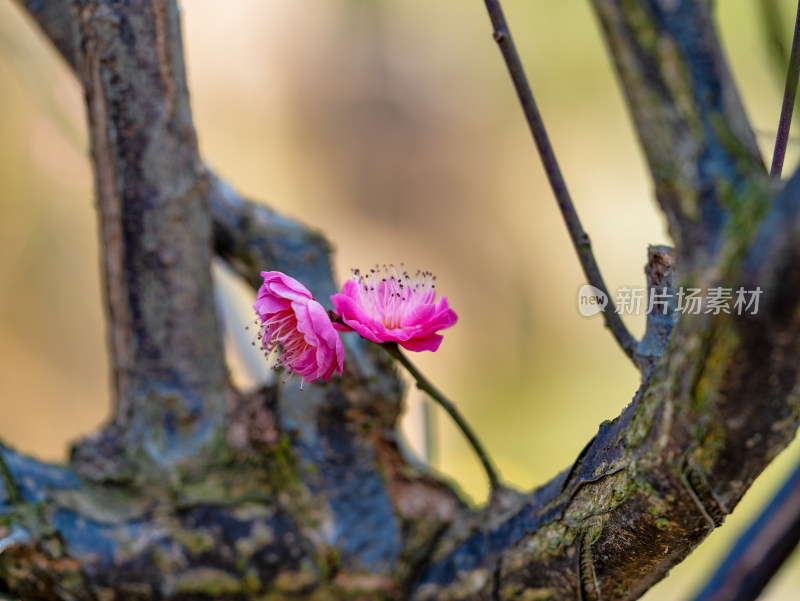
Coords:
424,384
580,240
787,108
761,550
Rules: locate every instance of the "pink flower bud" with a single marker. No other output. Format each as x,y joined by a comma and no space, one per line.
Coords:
385,306
298,327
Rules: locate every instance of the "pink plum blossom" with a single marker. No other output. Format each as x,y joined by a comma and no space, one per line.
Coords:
386,306
298,327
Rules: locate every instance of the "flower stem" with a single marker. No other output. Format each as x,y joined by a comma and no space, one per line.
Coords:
424,384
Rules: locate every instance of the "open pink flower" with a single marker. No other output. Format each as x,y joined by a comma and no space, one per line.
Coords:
298,327
385,306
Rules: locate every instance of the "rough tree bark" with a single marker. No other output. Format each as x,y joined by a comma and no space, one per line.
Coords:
196,491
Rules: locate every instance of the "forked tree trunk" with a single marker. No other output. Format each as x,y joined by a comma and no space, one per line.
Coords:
196,491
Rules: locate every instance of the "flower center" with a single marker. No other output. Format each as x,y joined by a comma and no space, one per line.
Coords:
280,332
388,295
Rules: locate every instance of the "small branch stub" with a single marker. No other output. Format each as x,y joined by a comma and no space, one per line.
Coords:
662,314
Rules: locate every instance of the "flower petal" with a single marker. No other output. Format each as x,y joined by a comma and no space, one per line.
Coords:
298,327
385,306
427,343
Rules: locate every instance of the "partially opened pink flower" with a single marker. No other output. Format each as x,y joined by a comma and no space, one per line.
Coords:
296,325
386,306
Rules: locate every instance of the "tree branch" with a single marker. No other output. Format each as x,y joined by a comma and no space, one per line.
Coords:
688,116
166,345
84,542
309,491
761,550
253,238
787,107
721,403
249,236
167,354
57,21
580,239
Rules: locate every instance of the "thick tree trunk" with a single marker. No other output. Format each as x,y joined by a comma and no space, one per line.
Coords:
195,491
152,193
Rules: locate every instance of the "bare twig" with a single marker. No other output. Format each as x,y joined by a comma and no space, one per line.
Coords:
787,108
580,240
761,550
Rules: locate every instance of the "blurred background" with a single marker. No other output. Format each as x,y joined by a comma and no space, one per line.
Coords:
393,128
